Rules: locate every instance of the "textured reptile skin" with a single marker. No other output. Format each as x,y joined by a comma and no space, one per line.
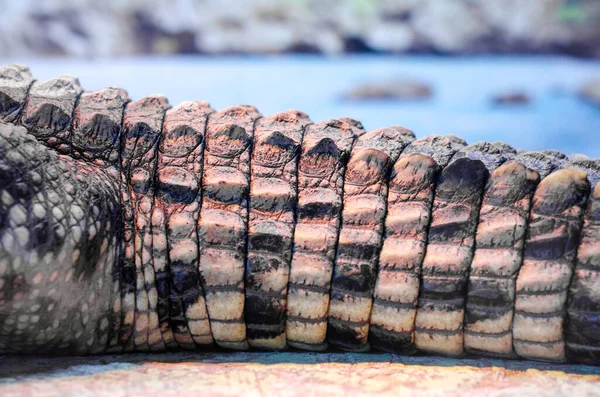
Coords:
134,226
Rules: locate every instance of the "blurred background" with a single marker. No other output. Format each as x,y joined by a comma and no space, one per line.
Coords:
523,71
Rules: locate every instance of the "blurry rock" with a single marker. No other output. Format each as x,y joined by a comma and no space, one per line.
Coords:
398,10
591,92
390,37
393,90
356,45
91,28
511,98
544,26
246,37
326,41
152,38
449,26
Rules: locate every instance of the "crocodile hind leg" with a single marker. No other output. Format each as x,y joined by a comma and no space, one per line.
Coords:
55,260
50,115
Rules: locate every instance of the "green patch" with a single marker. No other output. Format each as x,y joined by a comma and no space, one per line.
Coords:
364,6
571,13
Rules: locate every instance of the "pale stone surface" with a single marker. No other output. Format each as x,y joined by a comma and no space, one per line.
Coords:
290,374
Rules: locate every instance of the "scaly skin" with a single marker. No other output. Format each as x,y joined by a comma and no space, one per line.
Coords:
134,226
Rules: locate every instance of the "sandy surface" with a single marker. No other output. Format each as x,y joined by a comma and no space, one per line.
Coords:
289,374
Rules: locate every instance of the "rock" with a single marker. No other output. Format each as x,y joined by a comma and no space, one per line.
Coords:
86,29
246,37
591,92
390,37
393,90
449,26
511,98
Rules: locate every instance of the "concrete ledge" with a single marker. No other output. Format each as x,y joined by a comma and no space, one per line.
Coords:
289,374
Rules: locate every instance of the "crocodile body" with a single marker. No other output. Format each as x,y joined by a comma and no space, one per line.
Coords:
135,226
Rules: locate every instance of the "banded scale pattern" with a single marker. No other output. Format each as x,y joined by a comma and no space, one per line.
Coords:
364,206
551,244
180,298
135,226
223,221
325,151
273,194
497,259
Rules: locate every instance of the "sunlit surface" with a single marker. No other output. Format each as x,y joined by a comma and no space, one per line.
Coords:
287,374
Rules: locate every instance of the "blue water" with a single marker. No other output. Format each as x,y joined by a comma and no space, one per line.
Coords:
461,105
